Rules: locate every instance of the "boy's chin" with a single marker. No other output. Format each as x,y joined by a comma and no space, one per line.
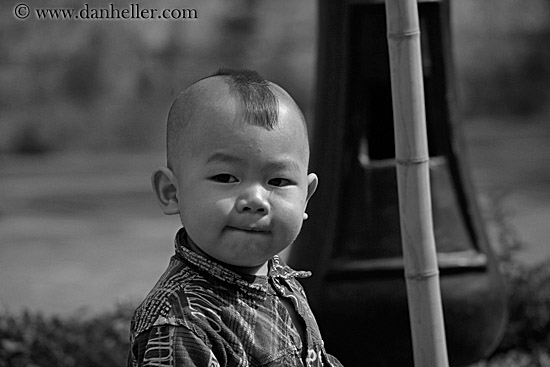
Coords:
246,263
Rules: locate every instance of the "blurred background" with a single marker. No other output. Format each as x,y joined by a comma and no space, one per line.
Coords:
83,105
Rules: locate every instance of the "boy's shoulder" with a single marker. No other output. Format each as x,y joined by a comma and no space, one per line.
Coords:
176,299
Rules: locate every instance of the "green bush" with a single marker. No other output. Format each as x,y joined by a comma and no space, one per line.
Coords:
527,338
34,340
519,358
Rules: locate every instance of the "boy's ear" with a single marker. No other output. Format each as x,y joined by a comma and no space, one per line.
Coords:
312,182
164,186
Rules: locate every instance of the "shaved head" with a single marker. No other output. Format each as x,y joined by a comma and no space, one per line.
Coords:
256,101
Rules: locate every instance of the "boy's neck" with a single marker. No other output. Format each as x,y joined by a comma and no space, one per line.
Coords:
260,270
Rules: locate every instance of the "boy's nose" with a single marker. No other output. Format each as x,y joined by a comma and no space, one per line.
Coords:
253,200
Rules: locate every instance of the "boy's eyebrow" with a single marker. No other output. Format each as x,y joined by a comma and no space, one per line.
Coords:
281,164
224,157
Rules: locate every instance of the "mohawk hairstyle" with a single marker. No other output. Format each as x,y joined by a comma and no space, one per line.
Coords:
260,106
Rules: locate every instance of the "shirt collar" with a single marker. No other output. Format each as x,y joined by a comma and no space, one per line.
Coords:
248,283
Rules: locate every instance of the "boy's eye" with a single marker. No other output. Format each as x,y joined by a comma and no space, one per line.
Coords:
279,182
224,178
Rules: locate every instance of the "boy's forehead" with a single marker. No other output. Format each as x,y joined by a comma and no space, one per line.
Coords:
208,95
210,105
225,125
214,98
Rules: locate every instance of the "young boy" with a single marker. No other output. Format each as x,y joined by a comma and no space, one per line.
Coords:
236,174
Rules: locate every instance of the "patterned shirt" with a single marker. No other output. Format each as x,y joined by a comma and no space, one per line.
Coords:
201,313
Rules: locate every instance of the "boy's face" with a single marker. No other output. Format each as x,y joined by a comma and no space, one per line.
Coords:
242,189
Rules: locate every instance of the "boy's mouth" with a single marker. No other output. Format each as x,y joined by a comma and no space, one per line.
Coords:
252,229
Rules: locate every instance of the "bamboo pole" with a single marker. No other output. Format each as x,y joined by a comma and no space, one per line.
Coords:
411,152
